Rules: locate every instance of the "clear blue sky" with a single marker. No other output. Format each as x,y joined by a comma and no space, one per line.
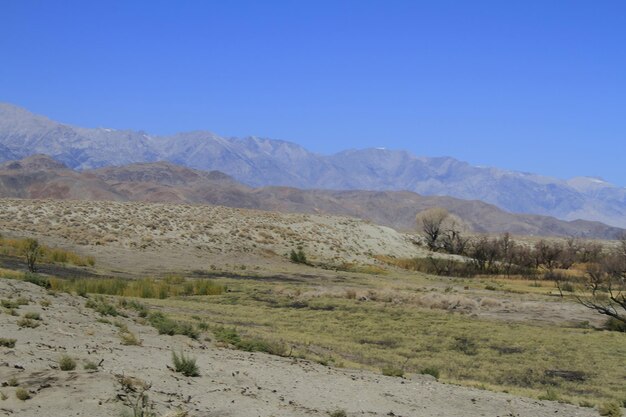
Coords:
536,86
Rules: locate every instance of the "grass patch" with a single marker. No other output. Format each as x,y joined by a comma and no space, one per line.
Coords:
67,363
231,337
15,247
610,409
27,323
141,288
9,343
456,348
129,339
166,325
32,315
184,364
22,394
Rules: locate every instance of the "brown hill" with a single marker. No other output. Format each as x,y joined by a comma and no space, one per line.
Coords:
42,177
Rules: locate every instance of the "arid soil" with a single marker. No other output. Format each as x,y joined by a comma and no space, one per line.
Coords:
232,383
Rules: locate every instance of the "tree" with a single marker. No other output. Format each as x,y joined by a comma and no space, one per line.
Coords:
606,286
432,224
32,251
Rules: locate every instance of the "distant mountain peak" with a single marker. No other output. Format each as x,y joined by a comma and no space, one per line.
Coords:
258,161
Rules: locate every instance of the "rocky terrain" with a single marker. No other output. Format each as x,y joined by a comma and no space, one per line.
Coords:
262,162
41,177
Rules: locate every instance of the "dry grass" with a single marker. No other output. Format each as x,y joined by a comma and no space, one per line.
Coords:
413,336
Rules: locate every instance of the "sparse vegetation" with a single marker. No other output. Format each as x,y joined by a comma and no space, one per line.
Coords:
90,366
298,257
391,371
610,409
32,315
22,394
430,371
165,325
67,363
32,251
9,343
338,413
27,323
184,364
129,339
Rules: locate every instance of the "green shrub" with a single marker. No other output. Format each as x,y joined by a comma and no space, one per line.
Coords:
101,306
431,371
37,280
66,363
165,325
337,413
32,315
550,395
465,345
9,304
297,257
10,343
611,409
393,371
24,322
90,366
12,382
22,394
230,336
227,335
615,325
129,339
185,364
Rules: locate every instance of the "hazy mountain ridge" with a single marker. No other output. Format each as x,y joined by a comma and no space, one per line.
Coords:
42,177
262,162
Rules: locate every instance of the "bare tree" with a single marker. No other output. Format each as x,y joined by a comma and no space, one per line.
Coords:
432,224
606,286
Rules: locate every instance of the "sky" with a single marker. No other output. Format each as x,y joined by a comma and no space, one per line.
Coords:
534,86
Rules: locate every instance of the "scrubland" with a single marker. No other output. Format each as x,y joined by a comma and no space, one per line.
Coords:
348,320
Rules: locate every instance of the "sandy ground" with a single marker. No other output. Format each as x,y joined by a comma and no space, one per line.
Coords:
201,234
232,383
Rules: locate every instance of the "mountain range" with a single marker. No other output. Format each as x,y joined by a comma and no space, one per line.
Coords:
258,162
41,177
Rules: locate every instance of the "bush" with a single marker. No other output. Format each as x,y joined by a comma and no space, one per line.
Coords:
431,371
465,345
165,325
37,280
392,371
185,365
22,394
32,315
24,322
10,304
230,336
102,307
10,343
615,325
90,366
129,339
611,409
66,363
297,257
338,413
